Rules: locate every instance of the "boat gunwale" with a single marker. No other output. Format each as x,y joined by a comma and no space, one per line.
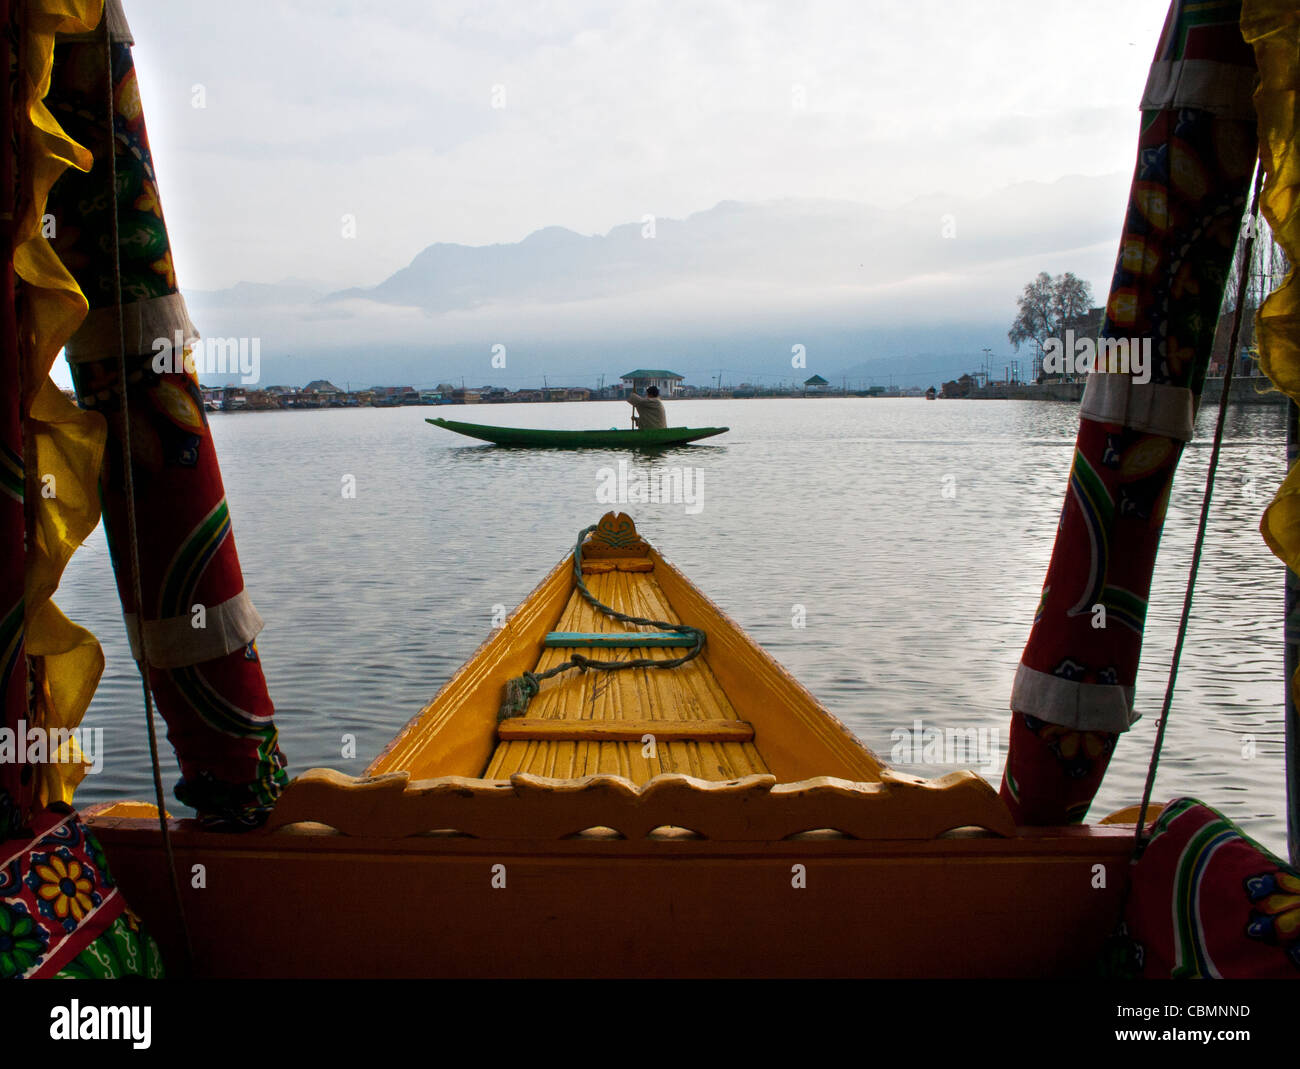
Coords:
501,635
1028,842
837,729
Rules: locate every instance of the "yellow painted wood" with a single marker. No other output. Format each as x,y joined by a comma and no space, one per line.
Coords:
797,738
123,810
635,564
536,729
643,697
454,734
1129,814
794,738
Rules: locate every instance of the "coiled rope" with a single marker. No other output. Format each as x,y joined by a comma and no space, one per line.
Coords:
523,689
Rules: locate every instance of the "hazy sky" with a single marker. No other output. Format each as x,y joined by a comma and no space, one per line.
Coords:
323,109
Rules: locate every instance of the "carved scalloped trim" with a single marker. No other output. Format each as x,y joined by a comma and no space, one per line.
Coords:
753,808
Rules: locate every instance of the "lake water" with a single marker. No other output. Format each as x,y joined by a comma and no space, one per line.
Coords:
916,605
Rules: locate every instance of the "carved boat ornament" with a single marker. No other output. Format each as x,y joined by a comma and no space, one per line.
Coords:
750,809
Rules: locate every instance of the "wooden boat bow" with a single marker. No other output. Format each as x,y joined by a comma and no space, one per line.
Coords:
728,745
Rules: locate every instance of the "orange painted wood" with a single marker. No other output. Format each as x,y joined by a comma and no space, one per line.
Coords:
615,536
957,907
535,728
752,808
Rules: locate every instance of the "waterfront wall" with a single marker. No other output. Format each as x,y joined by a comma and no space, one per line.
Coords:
1255,390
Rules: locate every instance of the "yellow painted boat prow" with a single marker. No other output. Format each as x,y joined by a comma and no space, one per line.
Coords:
593,745
686,712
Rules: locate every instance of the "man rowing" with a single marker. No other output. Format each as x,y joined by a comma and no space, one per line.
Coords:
649,409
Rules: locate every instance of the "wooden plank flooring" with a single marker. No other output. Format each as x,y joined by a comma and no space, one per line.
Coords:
689,692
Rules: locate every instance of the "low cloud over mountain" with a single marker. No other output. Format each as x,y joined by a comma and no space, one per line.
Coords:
913,292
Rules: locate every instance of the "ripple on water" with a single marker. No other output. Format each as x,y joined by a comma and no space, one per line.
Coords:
917,604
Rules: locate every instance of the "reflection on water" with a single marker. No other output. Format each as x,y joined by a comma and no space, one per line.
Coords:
916,604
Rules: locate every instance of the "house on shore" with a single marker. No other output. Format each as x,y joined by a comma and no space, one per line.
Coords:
640,380
392,396
233,398
815,385
325,392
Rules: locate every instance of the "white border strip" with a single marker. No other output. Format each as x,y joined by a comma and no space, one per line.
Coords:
177,643
1070,704
143,323
1205,84
1152,407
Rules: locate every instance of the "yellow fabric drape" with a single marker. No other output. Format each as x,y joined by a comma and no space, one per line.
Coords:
1273,28
65,445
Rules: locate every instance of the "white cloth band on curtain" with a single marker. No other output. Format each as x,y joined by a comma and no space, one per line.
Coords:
1152,407
143,322
1071,704
1222,88
177,643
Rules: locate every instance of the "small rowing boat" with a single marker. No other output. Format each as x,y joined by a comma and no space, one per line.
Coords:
541,438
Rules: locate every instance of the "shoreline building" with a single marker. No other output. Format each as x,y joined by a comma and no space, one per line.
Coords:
638,381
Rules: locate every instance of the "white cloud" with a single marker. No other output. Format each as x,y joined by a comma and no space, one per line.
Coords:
320,109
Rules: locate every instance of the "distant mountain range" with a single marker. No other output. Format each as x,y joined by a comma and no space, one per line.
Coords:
914,293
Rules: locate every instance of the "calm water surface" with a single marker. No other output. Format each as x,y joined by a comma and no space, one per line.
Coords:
917,605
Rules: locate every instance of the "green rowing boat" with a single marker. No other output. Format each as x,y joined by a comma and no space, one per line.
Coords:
553,439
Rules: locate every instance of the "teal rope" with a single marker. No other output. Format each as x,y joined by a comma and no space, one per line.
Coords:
523,689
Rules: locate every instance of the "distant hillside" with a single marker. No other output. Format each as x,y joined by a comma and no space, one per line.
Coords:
868,292
790,243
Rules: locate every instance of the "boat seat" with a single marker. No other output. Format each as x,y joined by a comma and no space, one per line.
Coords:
626,564
576,640
541,730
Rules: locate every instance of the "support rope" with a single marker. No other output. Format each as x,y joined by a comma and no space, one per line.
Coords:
133,533
522,689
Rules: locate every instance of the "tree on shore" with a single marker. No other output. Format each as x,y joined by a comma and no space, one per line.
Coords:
1268,269
1048,307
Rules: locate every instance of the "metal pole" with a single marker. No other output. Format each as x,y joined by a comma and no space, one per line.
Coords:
1292,661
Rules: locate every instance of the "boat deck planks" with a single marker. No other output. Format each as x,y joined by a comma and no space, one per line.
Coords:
688,693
